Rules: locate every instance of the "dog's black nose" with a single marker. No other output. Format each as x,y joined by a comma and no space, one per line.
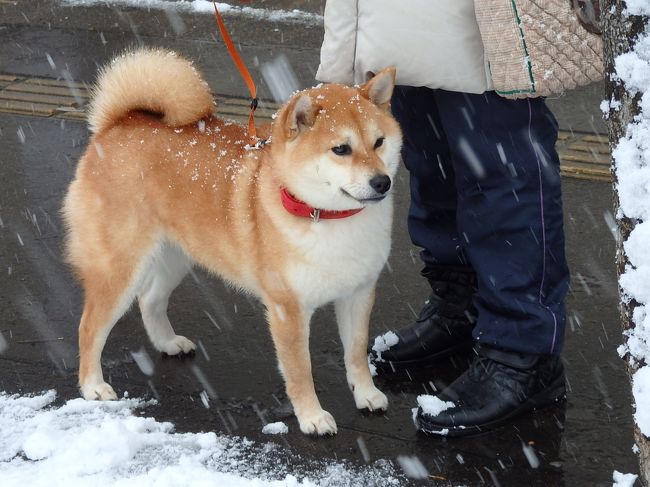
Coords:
380,183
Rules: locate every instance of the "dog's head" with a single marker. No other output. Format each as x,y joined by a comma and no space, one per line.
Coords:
337,147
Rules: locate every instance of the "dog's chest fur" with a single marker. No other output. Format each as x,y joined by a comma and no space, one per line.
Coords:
337,257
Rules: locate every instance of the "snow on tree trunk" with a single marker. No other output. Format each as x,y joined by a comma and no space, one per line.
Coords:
627,58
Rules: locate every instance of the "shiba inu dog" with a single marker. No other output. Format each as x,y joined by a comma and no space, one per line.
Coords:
300,221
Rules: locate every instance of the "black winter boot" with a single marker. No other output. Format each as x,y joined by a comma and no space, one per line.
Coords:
497,387
443,327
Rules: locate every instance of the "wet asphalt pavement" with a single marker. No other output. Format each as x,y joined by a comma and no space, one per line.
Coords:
578,443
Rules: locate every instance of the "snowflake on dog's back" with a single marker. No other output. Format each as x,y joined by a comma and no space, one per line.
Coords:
355,102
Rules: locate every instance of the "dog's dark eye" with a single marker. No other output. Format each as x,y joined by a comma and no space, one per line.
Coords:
379,143
342,150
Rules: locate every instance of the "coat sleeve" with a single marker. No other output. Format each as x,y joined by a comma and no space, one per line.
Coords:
337,55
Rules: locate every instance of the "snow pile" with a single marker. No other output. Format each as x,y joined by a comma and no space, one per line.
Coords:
638,7
624,479
383,343
641,392
205,6
89,443
632,163
278,428
432,405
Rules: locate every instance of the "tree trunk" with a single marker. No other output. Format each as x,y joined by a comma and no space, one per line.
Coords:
619,34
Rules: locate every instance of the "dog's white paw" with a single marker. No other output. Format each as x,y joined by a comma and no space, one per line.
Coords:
100,391
178,344
370,398
318,423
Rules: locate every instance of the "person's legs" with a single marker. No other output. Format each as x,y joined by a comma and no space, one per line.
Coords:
443,325
432,213
510,218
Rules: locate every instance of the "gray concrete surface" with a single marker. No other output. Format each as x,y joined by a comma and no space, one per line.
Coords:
579,443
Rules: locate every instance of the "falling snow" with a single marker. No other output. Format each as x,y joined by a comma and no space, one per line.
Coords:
45,445
412,467
280,78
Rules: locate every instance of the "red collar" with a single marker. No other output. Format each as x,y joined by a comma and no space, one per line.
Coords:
300,208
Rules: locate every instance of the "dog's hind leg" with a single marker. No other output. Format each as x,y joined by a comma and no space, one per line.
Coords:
290,330
167,270
353,317
107,296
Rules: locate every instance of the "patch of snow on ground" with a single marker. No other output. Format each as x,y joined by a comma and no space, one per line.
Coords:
432,405
623,479
632,166
205,6
278,428
89,443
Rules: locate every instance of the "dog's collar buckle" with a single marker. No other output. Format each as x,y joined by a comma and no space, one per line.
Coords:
315,215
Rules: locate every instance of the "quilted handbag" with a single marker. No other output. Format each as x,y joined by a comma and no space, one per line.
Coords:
538,47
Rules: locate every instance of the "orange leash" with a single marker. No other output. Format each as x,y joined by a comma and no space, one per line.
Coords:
245,74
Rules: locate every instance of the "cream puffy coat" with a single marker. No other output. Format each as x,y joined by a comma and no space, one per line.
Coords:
534,47
433,43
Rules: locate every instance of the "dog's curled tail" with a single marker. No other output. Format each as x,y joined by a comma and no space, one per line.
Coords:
154,80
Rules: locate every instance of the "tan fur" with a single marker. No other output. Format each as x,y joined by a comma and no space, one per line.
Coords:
186,180
153,80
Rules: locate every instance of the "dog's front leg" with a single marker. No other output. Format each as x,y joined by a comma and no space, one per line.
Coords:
353,316
290,330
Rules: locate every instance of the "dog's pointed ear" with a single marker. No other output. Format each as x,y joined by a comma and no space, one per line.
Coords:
379,89
300,114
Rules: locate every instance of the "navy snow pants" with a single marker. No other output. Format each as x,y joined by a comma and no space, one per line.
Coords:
485,194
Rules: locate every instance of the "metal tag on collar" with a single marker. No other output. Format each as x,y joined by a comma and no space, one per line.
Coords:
315,215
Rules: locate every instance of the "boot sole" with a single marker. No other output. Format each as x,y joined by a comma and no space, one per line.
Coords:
548,397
